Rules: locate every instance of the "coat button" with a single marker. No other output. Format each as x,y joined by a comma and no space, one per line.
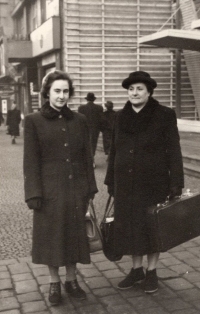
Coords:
66,144
67,160
70,176
63,129
130,170
60,116
131,151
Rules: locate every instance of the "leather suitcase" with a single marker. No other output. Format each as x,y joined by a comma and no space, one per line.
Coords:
174,222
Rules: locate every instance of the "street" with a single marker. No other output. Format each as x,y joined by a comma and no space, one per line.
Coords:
24,286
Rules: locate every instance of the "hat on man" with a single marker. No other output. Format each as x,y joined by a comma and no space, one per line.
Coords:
109,103
138,77
90,97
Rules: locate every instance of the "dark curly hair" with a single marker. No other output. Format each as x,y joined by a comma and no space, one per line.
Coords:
54,76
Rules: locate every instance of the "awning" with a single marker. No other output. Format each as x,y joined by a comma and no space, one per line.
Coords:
174,38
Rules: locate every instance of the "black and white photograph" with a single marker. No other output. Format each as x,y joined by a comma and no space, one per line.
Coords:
100,156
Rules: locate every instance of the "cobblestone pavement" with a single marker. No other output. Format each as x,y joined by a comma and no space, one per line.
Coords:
24,286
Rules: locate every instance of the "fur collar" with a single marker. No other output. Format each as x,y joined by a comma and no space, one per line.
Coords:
133,122
48,112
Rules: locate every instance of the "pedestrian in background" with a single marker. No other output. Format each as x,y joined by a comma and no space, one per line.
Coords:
107,125
59,182
145,166
13,121
1,118
93,114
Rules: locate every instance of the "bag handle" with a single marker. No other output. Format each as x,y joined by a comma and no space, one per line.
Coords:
108,207
91,208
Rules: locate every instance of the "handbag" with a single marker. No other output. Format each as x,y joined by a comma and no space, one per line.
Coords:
93,229
107,231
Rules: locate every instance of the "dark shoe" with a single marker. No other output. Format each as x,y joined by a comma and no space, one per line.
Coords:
74,290
151,281
13,141
55,293
135,275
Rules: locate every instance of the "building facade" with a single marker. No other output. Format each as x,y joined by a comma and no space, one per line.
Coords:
97,43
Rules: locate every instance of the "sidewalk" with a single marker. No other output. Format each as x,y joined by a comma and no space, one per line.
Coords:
24,286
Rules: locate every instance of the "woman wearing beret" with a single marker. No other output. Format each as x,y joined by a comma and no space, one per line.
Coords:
145,166
59,181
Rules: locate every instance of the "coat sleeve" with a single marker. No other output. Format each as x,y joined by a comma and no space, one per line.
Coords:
109,179
32,161
89,161
174,154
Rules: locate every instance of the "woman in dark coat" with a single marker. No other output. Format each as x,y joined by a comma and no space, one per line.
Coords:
145,166
13,121
59,181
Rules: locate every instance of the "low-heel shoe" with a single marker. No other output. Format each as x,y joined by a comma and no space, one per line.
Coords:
74,290
151,281
55,293
135,276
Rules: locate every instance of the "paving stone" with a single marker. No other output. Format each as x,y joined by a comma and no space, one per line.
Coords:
126,266
192,276
42,280
9,304
26,259
92,272
8,262
44,288
26,286
97,309
22,277
113,300
194,250
179,284
181,268
106,265
119,309
113,273
32,265
104,292
3,268
97,258
41,271
187,311
11,312
27,297
171,261
19,268
183,255
166,273
196,303
190,294
30,307
5,284
165,255
164,293
4,275
189,244
143,302
153,310
175,304
6,293
97,282
192,262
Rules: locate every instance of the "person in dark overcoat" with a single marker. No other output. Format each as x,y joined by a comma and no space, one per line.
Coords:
93,113
59,182
107,125
13,121
145,166
1,118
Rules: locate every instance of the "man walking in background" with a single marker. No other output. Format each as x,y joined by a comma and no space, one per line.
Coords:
93,114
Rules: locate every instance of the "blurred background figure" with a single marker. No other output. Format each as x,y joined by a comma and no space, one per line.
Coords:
93,114
107,125
13,121
1,118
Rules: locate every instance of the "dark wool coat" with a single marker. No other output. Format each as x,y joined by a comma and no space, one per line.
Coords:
93,114
58,167
13,121
145,161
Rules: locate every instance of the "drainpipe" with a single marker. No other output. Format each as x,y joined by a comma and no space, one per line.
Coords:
178,65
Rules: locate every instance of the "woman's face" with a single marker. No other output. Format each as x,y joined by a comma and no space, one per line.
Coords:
138,94
59,93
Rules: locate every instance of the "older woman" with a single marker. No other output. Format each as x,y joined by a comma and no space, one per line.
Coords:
59,181
145,166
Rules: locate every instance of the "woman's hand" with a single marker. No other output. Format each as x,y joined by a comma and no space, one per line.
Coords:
35,203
